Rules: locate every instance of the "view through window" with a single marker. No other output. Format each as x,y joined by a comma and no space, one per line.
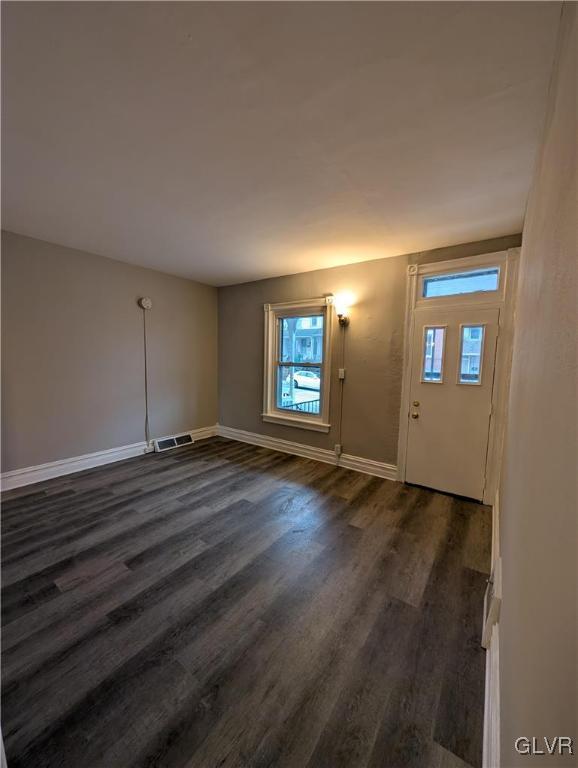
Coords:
300,363
474,281
471,354
433,354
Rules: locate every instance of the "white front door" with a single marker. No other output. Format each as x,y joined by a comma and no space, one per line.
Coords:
453,359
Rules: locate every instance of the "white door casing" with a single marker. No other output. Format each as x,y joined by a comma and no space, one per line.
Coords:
502,300
449,421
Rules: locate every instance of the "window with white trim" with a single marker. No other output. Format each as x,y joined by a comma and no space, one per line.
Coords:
433,354
455,283
297,365
471,354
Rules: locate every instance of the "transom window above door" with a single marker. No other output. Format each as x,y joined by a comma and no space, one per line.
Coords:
462,283
297,347
455,283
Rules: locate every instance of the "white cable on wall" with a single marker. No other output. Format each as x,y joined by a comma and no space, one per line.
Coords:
146,304
342,329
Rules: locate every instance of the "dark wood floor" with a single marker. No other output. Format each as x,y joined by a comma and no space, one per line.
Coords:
225,605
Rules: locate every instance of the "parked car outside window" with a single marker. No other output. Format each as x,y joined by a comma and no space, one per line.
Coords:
306,380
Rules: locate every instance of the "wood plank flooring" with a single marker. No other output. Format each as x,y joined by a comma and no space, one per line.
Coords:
226,605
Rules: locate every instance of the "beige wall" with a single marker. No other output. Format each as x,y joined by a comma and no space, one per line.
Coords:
374,349
72,353
538,501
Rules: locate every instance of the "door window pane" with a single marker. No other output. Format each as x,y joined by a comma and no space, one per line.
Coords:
301,339
433,354
299,389
462,282
472,345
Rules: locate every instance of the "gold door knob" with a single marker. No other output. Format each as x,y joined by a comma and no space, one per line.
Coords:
415,415
416,403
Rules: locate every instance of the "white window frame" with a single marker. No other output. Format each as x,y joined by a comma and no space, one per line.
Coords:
459,381
423,348
470,264
273,313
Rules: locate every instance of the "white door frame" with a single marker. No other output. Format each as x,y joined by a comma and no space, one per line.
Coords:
503,300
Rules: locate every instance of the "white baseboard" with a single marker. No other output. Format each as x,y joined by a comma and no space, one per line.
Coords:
28,475
197,434
369,466
203,432
357,463
491,744
491,748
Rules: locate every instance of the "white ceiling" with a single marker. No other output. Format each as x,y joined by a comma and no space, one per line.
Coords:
232,141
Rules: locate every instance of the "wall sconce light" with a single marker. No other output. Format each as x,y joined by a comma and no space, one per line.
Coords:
343,319
342,303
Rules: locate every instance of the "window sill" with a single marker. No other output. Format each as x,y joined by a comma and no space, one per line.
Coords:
293,421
